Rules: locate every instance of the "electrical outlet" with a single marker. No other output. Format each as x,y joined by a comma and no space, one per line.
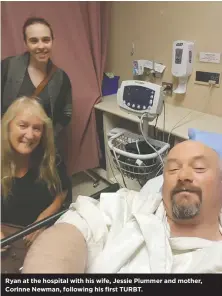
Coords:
203,77
168,88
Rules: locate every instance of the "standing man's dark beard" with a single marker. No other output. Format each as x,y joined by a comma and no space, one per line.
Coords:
182,212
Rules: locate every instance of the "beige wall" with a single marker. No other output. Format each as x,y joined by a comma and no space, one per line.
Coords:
153,26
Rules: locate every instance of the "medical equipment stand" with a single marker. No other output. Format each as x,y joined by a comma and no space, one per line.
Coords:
94,179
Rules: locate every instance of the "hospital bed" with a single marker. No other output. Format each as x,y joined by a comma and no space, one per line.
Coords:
153,185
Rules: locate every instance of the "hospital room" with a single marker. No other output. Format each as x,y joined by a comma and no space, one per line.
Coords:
111,120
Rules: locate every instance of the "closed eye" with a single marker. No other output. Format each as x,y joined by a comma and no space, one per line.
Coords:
200,169
173,170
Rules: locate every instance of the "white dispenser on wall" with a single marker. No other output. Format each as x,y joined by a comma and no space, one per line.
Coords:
182,63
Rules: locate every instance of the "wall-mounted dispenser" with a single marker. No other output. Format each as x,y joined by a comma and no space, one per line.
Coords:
182,63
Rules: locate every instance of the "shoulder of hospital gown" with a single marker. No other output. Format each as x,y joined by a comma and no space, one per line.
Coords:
94,218
98,220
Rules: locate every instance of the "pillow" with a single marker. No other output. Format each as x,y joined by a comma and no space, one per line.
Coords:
212,140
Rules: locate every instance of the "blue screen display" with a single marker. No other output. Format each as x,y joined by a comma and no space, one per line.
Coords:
138,97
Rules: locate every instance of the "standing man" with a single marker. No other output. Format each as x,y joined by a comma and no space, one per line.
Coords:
34,74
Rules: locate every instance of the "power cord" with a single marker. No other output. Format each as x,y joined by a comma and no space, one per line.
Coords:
164,119
160,167
155,136
144,136
120,168
113,171
211,84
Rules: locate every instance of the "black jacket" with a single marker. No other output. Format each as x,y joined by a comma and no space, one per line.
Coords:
58,89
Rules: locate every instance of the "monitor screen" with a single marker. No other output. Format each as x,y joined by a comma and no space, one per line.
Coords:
138,97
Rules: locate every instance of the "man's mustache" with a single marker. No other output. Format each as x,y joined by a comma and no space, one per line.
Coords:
186,187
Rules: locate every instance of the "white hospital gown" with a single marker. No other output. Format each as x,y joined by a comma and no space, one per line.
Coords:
127,232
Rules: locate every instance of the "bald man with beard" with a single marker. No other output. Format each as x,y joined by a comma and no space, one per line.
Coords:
176,231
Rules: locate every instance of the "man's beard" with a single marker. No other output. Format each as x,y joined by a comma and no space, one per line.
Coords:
185,212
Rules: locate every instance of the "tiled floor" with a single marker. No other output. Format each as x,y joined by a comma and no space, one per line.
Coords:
83,185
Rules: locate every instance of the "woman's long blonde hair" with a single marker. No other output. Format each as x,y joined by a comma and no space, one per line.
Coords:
43,157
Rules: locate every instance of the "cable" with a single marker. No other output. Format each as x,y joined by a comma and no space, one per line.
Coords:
120,168
141,129
161,167
137,146
155,126
176,125
113,172
164,119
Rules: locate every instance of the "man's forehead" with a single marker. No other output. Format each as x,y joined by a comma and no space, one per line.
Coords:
191,150
189,158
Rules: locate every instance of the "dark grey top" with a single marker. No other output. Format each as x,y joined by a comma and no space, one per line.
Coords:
56,97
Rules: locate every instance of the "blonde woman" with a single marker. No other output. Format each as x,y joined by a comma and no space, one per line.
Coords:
34,183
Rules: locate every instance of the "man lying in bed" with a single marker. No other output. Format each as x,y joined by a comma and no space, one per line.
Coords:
178,231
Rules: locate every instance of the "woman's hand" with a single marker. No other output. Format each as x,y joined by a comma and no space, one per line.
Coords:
2,235
29,239
52,209
6,247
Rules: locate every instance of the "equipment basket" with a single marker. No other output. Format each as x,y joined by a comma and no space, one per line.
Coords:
141,167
